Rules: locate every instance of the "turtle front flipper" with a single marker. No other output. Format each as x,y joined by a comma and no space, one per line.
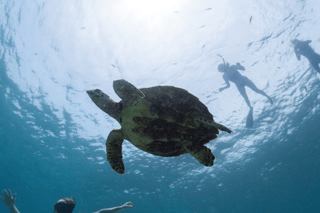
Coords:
126,90
114,150
202,153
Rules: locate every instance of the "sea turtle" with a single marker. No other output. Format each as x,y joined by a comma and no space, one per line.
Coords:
162,120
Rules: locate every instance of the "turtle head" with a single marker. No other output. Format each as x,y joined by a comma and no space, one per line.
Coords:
126,91
105,103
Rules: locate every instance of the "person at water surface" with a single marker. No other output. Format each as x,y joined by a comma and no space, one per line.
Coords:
64,205
303,48
231,73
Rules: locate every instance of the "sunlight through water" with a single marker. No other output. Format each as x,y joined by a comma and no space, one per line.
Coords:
52,52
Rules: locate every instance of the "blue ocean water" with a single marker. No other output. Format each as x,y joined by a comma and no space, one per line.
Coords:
52,136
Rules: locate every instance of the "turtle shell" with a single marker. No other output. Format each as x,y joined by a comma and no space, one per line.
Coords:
164,121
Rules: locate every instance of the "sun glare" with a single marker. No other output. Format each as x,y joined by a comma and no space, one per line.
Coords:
151,7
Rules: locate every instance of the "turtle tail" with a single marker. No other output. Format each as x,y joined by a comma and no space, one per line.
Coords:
209,123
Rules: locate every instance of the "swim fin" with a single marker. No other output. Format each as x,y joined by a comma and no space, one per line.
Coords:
249,122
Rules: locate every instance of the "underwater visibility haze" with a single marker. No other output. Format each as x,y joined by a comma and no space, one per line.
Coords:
52,136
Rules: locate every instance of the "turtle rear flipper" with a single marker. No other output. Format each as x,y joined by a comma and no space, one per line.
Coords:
223,128
114,150
202,153
126,91
211,123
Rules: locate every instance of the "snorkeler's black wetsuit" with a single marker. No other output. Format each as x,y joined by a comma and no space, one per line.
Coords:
303,48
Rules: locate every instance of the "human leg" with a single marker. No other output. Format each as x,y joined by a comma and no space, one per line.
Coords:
242,91
316,66
252,86
315,63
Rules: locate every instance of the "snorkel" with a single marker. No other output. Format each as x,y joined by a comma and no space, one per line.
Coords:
221,66
222,58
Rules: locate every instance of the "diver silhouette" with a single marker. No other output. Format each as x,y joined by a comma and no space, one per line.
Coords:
231,73
303,48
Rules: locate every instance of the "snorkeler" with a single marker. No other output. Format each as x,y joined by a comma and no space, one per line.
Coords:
303,48
64,205
231,73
